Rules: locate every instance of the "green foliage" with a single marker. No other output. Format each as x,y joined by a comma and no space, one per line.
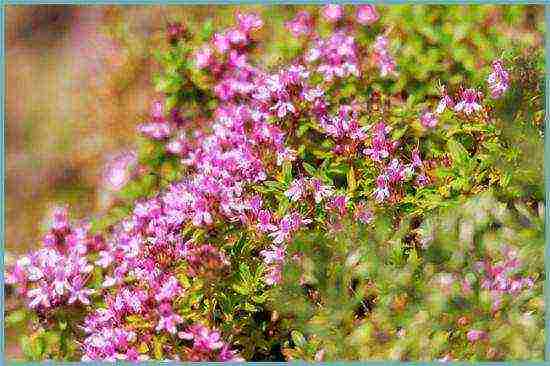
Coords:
369,293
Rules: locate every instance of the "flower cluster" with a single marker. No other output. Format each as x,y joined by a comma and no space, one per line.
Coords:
57,275
249,173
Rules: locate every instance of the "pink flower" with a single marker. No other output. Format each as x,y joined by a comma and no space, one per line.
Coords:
362,214
249,21
498,80
79,292
60,219
203,57
296,190
155,130
429,119
302,24
332,12
339,203
445,102
320,191
367,14
221,42
169,290
157,111
469,101
274,255
168,319
382,57
264,221
382,190
117,171
476,335
39,296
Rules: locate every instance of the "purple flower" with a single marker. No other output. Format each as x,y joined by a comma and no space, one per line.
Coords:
203,57
320,191
302,24
332,12
498,80
367,14
264,221
168,319
476,335
468,102
155,130
249,22
39,296
169,290
296,190
79,292
429,119
382,57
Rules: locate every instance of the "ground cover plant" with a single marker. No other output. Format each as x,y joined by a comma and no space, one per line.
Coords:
368,193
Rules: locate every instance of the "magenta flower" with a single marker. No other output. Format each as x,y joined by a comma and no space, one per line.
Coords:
332,12
169,290
203,57
301,25
264,221
320,191
366,14
79,292
383,58
468,102
296,190
249,22
498,80
429,119
476,335
168,319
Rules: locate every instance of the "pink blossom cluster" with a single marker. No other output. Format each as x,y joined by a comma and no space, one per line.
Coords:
383,58
335,56
500,278
58,273
205,343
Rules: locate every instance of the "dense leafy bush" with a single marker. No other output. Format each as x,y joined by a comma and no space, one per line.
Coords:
338,205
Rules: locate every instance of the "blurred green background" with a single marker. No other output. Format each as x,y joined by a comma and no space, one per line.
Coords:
78,81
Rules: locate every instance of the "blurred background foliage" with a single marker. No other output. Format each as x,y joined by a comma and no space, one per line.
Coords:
79,80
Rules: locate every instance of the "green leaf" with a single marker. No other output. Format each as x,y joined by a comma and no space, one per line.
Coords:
310,169
287,172
298,338
458,153
16,317
352,182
